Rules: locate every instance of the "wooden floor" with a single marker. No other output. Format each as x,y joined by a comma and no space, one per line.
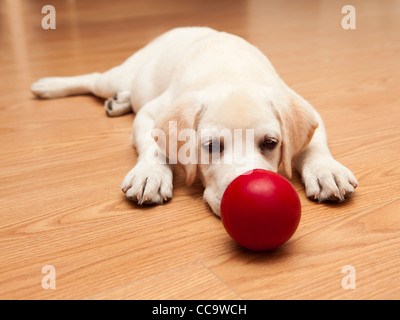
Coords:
62,160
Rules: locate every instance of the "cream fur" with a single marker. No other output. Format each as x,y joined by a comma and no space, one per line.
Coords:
209,80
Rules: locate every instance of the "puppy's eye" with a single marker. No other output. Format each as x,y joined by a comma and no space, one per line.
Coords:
268,144
213,145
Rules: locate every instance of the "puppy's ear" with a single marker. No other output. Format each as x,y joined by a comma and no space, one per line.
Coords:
179,124
298,124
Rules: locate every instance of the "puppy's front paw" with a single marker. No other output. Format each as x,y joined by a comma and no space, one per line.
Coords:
148,183
326,179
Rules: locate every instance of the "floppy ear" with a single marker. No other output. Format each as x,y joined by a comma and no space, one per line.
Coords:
298,124
179,124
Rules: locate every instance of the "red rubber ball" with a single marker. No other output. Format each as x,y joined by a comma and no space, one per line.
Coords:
260,210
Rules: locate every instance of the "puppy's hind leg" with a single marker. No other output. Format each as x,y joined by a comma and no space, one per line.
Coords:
57,87
119,104
103,85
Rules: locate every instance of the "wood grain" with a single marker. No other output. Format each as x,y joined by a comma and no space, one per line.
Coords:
310,265
62,160
190,282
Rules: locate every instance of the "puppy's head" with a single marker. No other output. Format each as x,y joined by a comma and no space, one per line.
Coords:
225,131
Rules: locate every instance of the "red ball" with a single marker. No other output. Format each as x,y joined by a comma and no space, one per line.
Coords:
260,210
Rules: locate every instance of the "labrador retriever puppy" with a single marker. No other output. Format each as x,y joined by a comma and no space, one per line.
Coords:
215,86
